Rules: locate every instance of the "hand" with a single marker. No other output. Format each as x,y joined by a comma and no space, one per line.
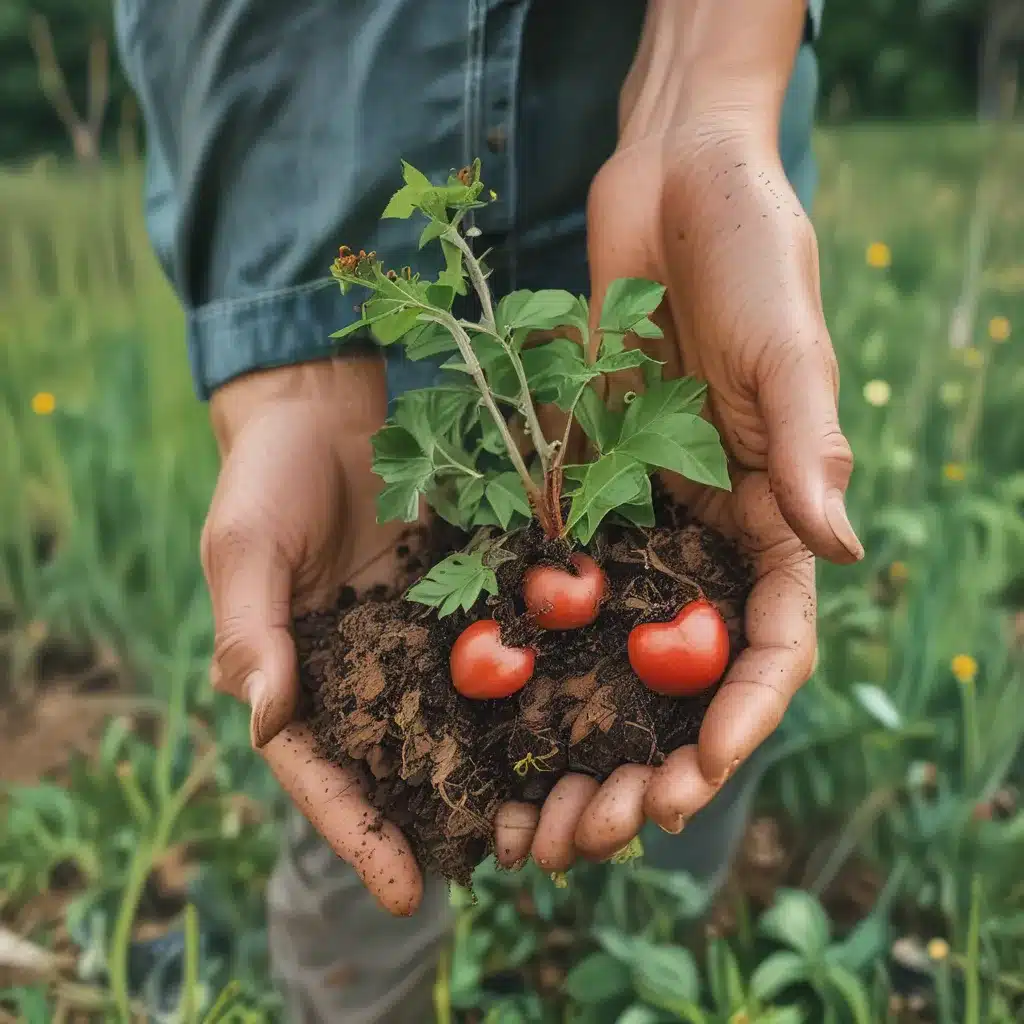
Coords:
294,504
710,214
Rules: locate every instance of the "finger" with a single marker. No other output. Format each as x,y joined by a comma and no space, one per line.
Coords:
616,813
809,459
254,655
553,846
333,800
780,626
514,826
677,790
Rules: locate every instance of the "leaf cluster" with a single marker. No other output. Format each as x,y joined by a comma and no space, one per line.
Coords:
453,444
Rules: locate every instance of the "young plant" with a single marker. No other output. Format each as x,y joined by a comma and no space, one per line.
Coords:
455,445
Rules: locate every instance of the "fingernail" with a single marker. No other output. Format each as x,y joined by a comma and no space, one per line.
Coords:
728,773
835,513
677,826
255,690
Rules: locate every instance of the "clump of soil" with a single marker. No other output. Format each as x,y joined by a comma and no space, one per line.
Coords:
377,688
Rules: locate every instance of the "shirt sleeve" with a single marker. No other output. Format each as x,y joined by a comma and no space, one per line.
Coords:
256,170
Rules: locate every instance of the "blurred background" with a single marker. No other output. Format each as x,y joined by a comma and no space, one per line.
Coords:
882,878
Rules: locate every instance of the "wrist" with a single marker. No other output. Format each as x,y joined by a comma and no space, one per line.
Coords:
714,66
349,393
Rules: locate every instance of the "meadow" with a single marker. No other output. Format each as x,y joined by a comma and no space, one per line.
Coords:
881,878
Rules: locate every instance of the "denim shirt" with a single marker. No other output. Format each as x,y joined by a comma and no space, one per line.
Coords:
274,133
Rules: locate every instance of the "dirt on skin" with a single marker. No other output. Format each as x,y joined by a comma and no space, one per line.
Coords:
377,688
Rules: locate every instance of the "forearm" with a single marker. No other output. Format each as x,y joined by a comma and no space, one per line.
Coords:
726,63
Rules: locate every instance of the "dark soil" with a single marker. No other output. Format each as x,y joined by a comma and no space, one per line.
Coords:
377,689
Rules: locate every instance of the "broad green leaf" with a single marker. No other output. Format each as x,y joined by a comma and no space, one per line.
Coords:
363,322
628,301
428,339
392,319
397,456
429,413
538,311
454,583
639,511
454,274
557,370
666,977
685,394
682,443
441,295
599,423
797,920
640,1014
776,973
415,178
614,479
399,500
401,205
507,496
724,977
457,498
596,979
434,229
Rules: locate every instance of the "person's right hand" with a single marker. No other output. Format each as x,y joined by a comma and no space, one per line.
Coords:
292,521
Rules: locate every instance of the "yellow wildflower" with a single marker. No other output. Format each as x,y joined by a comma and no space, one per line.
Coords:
999,328
973,358
43,403
878,255
964,668
938,949
877,392
898,572
954,472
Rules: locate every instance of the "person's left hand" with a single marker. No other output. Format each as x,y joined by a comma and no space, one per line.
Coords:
711,215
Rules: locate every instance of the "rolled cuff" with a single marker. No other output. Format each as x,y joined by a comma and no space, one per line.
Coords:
276,328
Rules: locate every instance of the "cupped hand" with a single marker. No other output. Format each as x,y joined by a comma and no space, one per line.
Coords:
292,521
711,215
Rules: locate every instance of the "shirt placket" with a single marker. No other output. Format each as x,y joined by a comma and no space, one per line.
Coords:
496,34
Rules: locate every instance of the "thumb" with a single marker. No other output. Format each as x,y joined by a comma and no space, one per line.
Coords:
254,655
809,459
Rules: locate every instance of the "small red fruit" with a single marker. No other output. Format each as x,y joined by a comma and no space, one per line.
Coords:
483,668
684,656
558,600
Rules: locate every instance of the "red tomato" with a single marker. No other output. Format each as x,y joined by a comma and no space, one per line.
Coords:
684,656
483,667
558,600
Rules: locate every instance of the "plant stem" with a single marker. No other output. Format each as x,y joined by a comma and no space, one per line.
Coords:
529,411
462,339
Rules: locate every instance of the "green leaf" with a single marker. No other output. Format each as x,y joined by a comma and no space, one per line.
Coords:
797,920
362,322
628,302
639,511
624,360
557,370
538,311
614,479
456,582
414,178
430,413
507,496
601,424
454,274
663,398
596,979
399,500
392,319
428,339
666,977
397,456
776,973
684,444
851,988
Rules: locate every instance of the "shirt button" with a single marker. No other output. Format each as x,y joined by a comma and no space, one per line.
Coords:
496,139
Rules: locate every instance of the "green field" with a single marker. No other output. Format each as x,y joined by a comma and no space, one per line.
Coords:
898,784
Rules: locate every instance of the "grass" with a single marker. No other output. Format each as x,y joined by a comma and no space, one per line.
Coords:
901,756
